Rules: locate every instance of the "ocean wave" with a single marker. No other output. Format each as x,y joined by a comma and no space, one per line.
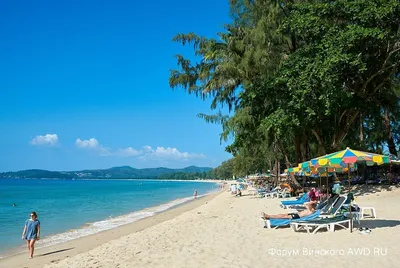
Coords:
110,223
90,228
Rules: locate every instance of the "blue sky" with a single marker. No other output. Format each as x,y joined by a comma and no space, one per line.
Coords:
84,84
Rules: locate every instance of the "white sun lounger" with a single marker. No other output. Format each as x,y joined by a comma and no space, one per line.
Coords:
315,225
271,194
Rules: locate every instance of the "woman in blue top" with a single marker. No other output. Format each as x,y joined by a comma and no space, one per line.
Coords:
31,233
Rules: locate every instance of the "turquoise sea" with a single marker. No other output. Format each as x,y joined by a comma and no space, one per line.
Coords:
69,209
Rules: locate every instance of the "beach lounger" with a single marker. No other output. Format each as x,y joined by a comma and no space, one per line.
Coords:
275,223
327,219
273,193
252,191
327,223
332,211
325,206
300,201
261,192
284,193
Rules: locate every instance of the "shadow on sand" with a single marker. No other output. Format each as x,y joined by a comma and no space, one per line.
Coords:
372,189
54,252
374,224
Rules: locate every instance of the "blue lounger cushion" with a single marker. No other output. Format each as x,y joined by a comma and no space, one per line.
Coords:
282,222
304,198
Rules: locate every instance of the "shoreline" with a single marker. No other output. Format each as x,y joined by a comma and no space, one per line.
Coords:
126,179
119,214
111,223
46,254
222,230
227,232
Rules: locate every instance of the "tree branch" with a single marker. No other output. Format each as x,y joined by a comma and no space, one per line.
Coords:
318,137
385,80
382,69
283,10
341,116
345,130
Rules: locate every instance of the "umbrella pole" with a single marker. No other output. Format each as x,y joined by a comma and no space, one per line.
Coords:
327,184
320,185
351,216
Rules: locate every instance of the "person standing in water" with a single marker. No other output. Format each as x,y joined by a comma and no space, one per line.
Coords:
195,194
31,233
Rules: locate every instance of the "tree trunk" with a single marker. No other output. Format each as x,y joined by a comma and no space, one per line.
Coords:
361,128
297,149
306,149
283,151
343,129
294,181
291,176
390,141
378,149
321,146
302,151
288,165
279,169
276,170
287,162
276,149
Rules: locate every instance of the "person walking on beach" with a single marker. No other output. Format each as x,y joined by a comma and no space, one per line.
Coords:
195,194
31,232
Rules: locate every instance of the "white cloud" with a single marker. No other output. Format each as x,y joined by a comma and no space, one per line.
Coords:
92,144
128,152
147,149
48,139
147,152
168,153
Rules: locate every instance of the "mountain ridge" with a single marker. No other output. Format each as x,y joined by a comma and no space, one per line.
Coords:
121,172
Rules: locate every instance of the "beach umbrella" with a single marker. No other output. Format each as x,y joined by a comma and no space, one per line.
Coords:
346,158
349,156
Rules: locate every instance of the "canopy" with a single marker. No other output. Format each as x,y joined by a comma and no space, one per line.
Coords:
346,157
308,171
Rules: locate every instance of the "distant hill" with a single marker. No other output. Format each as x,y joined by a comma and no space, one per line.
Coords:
123,172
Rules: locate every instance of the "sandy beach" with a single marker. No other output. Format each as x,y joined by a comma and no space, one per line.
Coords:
221,230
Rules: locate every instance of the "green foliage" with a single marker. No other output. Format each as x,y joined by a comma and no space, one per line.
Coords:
225,170
303,78
188,175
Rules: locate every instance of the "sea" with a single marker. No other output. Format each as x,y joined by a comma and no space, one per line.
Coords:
69,209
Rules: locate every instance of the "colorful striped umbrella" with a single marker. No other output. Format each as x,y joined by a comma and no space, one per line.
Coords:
347,158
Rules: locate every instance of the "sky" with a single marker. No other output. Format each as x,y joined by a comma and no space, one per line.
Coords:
84,85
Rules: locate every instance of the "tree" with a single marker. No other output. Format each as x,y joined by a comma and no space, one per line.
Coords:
225,170
348,56
303,78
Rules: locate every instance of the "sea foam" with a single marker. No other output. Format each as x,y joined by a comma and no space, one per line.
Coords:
110,223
